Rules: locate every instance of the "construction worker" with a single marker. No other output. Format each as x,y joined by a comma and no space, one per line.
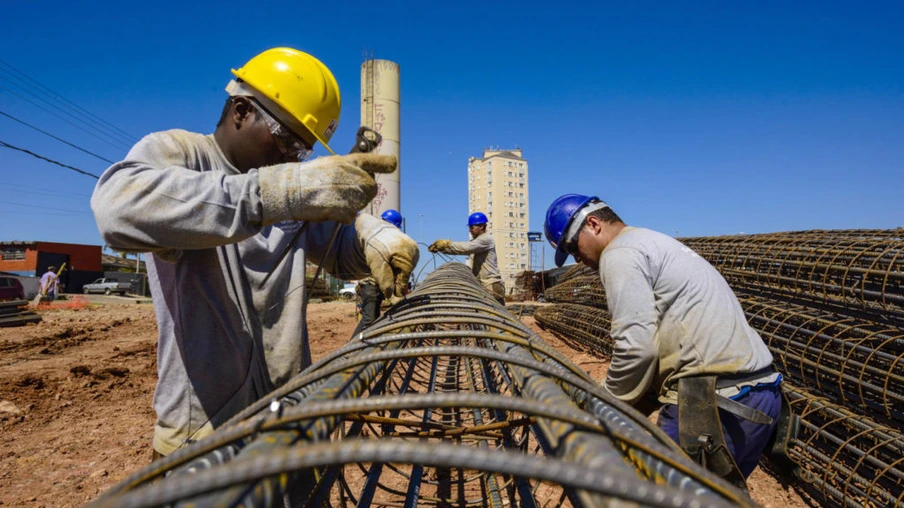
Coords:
50,284
217,212
678,330
482,250
369,292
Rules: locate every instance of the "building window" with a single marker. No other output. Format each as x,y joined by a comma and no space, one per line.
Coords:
12,253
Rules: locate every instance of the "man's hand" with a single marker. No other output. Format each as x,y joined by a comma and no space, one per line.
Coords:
326,188
440,246
391,254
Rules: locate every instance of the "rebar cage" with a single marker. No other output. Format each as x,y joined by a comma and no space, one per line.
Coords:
446,400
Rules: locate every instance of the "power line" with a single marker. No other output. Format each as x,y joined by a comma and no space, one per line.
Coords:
37,190
82,171
61,140
44,207
109,141
130,138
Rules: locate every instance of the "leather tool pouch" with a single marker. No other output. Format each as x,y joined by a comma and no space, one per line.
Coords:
700,429
786,431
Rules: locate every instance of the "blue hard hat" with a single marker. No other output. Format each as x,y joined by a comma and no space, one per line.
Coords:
393,217
558,218
476,219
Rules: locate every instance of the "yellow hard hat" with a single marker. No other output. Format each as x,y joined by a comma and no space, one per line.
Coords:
301,86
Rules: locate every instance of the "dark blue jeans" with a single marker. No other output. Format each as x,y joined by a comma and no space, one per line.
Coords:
745,439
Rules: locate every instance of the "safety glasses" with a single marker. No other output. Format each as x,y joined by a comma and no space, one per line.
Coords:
289,144
571,248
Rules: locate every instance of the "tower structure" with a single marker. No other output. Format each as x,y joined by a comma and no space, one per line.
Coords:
380,110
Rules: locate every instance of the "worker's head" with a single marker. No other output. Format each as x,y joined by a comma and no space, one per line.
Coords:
477,224
393,217
282,102
51,268
580,226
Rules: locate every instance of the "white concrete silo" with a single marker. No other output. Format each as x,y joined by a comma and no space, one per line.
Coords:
380,111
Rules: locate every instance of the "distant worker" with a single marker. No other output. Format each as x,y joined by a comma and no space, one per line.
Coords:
216,212
482,249
50,284
678,330
367,289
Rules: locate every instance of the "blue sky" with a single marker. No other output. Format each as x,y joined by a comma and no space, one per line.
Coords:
701,118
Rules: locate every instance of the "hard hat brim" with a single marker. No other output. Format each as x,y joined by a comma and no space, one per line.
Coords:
561,256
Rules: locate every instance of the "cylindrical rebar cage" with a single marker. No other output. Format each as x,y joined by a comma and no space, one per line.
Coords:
447,400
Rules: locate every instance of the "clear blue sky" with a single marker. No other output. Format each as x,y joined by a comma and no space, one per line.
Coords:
702,118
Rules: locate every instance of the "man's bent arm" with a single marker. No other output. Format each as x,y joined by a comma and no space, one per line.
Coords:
475,246
629,296
152,202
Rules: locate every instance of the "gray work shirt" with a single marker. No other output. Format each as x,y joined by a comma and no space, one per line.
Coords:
673,316
226,338
483,257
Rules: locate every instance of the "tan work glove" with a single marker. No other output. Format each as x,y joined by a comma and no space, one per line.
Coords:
326,188
391,254
440,246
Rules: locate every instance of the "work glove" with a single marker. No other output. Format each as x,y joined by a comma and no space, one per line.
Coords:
391,254
326,188
440,246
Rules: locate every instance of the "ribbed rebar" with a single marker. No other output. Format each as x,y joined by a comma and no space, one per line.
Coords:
857,268
858,364
850,459
582,327
445,400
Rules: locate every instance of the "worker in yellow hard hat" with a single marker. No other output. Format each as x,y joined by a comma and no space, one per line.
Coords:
217,213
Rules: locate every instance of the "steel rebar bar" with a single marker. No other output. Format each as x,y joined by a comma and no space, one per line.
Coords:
445,400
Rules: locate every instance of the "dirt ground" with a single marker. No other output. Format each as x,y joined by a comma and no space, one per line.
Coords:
76,390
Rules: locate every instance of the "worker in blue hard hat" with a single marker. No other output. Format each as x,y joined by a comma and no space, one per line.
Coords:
482,251
369,293
393,217
679,331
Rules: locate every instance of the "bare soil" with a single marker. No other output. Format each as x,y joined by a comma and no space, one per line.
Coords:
76,391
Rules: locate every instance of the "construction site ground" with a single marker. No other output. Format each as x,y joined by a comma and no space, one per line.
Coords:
76,390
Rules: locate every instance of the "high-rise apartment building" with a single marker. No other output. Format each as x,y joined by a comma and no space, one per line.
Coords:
497,186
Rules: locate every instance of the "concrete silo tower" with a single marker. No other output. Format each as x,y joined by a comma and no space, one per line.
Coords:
380,112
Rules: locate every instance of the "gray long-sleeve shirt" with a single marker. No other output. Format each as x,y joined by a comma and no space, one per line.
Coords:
673,316
226,338
483,257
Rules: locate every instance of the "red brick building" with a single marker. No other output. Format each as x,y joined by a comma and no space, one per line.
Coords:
31,259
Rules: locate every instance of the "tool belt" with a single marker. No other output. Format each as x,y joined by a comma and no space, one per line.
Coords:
700,428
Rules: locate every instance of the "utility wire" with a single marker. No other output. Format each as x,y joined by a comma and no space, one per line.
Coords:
61,140
44,207
37,190
109,141
77,170
128,137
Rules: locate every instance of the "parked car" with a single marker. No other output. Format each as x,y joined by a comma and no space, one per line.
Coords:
348,291
11,289
107,286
